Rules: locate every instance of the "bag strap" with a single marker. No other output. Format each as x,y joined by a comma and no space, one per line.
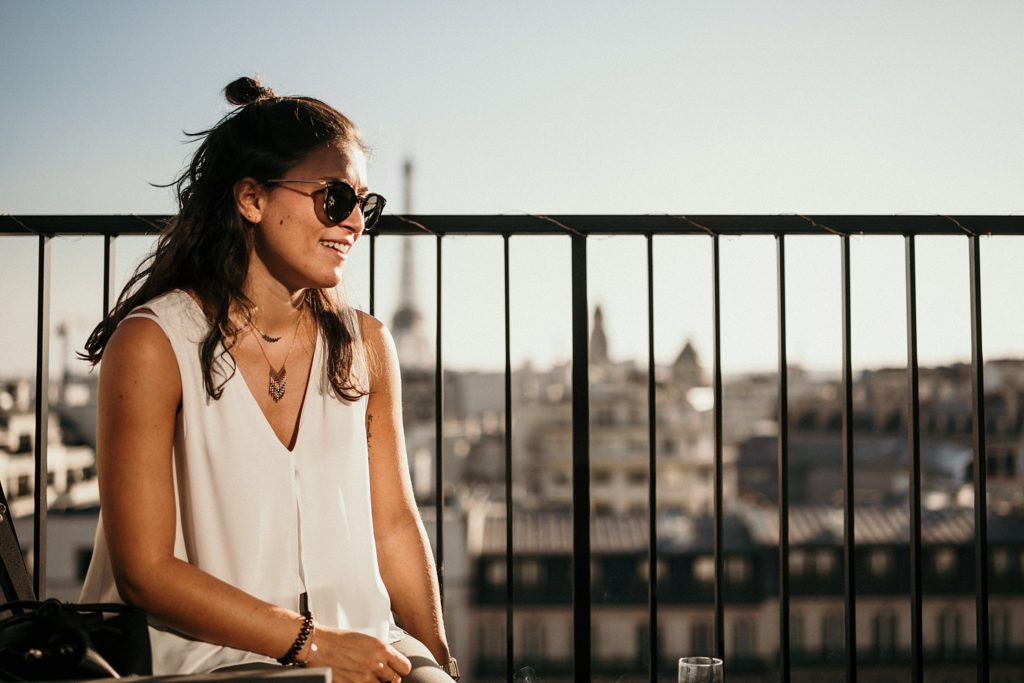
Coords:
108,607
15,582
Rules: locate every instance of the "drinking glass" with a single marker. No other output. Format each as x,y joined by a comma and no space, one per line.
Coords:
700,670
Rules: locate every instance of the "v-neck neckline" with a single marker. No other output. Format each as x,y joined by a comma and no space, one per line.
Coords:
302,406
251,398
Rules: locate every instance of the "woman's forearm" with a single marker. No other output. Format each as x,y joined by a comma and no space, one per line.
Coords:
408,570
198,604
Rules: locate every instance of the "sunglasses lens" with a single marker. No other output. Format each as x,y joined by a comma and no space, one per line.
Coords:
339,202
372,210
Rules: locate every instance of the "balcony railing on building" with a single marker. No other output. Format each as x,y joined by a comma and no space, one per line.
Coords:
657,567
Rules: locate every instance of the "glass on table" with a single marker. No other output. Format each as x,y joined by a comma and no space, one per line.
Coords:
700,670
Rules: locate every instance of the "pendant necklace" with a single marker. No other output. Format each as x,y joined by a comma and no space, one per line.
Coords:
278,378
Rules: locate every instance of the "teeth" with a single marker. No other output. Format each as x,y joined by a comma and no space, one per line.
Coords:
333,245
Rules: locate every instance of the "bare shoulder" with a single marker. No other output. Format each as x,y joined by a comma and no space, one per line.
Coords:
381,354
373,330
139,357
376,335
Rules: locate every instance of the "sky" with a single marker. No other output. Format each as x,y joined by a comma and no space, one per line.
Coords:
812,107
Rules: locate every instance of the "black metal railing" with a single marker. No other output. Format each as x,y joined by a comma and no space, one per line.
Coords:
578,228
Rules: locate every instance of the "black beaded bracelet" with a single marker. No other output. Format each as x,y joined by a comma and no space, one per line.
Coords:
307,627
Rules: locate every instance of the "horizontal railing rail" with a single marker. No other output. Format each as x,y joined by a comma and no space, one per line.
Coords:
578,228
578,224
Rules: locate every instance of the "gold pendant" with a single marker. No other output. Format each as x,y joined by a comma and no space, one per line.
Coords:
277,383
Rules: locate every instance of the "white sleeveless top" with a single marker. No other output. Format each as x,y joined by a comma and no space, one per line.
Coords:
274,523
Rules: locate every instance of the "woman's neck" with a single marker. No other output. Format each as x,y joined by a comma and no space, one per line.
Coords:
277,308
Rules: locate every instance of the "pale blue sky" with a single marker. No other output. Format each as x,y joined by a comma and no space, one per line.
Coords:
560,107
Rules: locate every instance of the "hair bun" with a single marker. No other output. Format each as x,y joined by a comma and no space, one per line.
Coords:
245,90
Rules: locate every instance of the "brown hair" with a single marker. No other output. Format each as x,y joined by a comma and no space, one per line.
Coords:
205,247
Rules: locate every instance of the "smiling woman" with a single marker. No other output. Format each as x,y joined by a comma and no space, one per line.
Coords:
237,504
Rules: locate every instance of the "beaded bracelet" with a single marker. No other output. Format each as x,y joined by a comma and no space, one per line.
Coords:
307,627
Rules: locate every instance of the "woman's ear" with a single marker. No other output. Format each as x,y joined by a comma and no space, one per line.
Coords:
250,199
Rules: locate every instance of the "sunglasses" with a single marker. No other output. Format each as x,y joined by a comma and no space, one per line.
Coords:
340,199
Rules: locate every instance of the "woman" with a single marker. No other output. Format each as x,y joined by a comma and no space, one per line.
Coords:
253,477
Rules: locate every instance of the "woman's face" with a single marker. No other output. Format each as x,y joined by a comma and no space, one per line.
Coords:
294,240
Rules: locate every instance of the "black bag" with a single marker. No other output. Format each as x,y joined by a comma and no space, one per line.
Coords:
51,640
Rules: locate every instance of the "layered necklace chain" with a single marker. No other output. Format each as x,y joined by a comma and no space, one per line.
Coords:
278,379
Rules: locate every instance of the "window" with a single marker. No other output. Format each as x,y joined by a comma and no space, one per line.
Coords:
534,639
950,632
796,632
637,477
832,628
880,563
643,642
700,637
824,562
704,569
883,630
737,569
745,637
531,573
492,640
642,570
496,573
797,562
1001,561
945,562
999,631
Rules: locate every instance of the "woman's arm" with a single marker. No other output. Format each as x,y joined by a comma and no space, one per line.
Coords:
139,396
403,551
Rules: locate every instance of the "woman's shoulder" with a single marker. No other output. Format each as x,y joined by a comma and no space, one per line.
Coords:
379,349
373,331
139,344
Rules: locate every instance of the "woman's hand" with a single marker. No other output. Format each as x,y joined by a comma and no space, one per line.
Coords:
356,657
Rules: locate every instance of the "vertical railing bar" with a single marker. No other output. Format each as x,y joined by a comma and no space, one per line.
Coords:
914,446
580,462
980,464
109,278
849,588
509,548
652,475
373,272
718,535
439,428
42,416
783,464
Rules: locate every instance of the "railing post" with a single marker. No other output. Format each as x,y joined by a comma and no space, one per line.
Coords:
580,461
980,464
373,272
849,531
914,447
783,462
439,430
109,278
42,415
509,507
652,475
718,533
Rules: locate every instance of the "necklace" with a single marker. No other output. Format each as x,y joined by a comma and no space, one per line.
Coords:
278,378
266,337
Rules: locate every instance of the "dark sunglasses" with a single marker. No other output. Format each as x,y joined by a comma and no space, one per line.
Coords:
340,199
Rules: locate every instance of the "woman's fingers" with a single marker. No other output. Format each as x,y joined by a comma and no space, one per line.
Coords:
368,659
398,662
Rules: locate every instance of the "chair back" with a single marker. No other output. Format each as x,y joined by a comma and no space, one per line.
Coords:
15,582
